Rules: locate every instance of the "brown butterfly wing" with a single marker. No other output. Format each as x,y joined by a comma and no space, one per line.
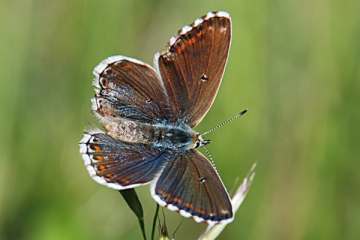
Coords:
128,88
120,165
190,184
193,66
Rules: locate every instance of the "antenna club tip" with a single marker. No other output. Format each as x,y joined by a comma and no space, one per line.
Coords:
244,111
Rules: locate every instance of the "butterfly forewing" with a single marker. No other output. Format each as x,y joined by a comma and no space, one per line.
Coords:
128,88
193,65
191,185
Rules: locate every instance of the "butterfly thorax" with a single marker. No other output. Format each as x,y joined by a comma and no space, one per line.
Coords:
162,135
174,137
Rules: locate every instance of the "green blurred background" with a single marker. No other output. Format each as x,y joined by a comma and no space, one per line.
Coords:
294,64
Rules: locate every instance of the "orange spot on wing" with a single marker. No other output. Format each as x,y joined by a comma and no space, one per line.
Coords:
101,167
177,200
109,175
96,148
99,158
199,210
188,205
124,181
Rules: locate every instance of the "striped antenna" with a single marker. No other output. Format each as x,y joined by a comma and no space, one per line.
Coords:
223,123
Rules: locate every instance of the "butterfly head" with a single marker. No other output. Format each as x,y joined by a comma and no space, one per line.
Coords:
199,141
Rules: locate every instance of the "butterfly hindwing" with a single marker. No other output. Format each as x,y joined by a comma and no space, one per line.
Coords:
120,165
190,184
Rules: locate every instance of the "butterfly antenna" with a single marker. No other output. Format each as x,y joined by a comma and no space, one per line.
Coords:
208,154
223,123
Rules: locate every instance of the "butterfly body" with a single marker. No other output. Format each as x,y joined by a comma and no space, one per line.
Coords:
164,135
148,115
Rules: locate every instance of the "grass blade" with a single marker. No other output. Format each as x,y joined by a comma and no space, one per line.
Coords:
154,222
134,204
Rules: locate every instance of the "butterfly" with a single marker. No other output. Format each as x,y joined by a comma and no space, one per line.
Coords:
148,115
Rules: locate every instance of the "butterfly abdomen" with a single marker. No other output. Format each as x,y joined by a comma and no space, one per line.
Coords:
129,131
